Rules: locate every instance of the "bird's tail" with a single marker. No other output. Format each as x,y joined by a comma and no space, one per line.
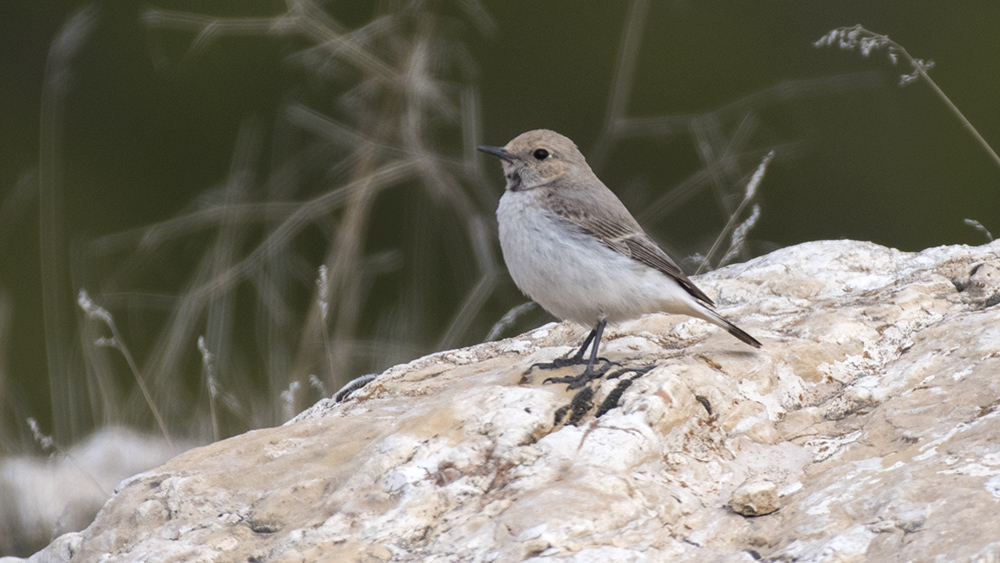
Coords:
742,335
736,331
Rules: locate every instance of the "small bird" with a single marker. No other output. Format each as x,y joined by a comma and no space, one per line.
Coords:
572,246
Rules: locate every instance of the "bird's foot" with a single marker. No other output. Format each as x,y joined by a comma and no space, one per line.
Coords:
577,360
638,371
587,375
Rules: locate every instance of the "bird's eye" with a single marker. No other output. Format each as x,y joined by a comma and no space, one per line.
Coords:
540,154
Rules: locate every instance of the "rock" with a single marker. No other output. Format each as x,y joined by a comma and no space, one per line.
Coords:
44,498
873,408
755,498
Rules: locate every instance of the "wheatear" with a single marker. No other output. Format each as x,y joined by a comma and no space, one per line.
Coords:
572,246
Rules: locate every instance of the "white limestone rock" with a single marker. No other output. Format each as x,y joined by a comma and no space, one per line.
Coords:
872,409
44,498
755,498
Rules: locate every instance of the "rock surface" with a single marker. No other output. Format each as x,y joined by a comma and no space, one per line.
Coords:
872,408
44,498
755,498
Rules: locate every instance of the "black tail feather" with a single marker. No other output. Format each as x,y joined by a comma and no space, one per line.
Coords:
742,335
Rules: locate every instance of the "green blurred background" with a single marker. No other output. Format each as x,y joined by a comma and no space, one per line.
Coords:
147,129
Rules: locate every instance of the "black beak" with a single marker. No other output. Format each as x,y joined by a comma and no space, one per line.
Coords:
498,152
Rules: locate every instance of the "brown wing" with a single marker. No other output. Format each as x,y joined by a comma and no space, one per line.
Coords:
612,224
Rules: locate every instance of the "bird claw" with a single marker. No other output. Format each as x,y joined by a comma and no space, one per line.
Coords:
587,375
559,363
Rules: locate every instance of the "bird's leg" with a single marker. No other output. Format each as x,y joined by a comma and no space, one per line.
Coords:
577,359
589,372
574,360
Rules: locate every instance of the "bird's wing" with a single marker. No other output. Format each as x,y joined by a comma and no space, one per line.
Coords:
612,224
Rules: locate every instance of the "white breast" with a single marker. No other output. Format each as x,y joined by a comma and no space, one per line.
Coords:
572,274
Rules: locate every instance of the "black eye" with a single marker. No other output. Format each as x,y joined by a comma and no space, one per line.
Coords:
540,154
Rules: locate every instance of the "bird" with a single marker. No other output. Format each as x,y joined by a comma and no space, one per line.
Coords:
573,247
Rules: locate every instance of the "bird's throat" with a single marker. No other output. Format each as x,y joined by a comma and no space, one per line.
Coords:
514,183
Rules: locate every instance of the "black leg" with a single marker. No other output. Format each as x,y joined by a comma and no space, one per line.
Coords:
589,372
578,357
598,331
574,360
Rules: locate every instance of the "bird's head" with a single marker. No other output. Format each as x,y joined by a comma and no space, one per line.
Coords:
538,158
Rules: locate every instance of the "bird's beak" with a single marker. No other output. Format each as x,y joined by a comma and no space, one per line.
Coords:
498,152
